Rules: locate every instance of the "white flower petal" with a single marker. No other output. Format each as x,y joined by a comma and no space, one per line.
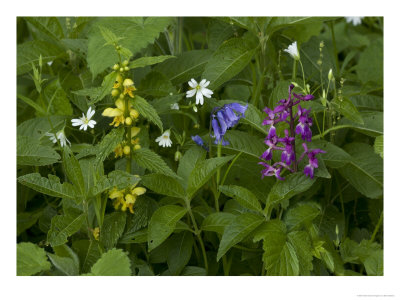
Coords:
192,84
199,98
202,82
206,92
206,84
91,113
190,93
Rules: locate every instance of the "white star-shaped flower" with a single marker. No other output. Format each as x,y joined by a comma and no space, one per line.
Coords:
293,51
60,135
355,20
85,121
164,140
200,90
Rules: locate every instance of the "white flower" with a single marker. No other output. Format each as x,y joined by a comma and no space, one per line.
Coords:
293,51
355,20
174,106
60,136
164,140
199,89
85,121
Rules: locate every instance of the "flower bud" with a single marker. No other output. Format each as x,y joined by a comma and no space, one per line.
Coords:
115,92
330,75
134,113
119,78
118,47
197,126
178,155
121,69
125,63
121,96
127,150
127,82
126,68
128,121
195,108
116,67
136,147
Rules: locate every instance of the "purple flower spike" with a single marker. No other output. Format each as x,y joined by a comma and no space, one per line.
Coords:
312,160
303,97
270,171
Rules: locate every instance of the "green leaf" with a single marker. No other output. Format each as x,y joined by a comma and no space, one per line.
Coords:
188,65
50,186
373,123
150,160
335,157
370,64
65,264
243,196
146,110
301,215
302,245
148,61
217,222
118,179
243,142
28,53
163,185
367,102
136,33
97,94
88,252
156,84
284,190
63,226
32,103
31,259
179,251
188,161
73,171
31,153
203,171
114,262
108,35
26,220
162,224
347,109
57,100
112,229
365,170
218,32
37,127
374,264
227,61
50,26
378,145
236,231
193,271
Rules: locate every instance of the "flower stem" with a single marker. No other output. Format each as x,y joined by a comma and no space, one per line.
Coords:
292,135
377,228
334,47
294,69
219,148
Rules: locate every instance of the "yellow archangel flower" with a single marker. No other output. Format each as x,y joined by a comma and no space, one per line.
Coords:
126,198
129,88
119,151
118,112
96,233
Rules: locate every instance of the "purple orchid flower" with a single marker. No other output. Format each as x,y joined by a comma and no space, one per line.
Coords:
312,160
271,171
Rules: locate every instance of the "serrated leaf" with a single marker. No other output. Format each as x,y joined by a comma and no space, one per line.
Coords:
150,160
162,224
28,53
50,26
193,271
302,245
243,196
365,170
243,142
57,99
37,127
63,226
283,190
188,161
65,264
156,84
104,89
373,123
179,251
146,110
114,262
88,252
112,229
370,64
50,186
73,171
118,179
137,33
31,259
163,185
347,109
108,35
31,153
236,231
227,61
148,61
26,220
217,222
374,264
301,215
187,65
203,172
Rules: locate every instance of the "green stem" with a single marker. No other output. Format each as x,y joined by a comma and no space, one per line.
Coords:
219,148
304,78
316,137
334,46
294,69
377,228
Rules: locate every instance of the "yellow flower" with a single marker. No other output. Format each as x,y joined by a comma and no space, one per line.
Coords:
114,193
118,112
96,233
118,151
118,82
135,131
126,198
129,88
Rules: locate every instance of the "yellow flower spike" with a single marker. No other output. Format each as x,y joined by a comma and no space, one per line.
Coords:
112,112
134,113
138,191
117,202
116,194
124,206
96,233
130,206
118,81
128,82
118,151
135,141
130,199
135,131
129,88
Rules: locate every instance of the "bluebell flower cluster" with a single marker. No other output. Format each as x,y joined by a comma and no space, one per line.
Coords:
284,113
226,117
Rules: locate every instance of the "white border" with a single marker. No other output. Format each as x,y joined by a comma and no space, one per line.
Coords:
183,287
